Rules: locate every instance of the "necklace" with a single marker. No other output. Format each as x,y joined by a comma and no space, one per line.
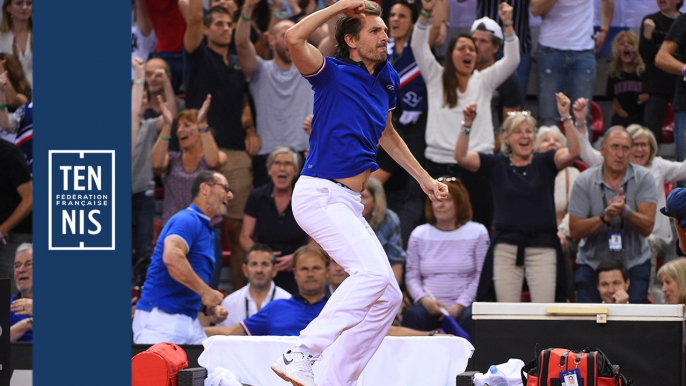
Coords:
514,168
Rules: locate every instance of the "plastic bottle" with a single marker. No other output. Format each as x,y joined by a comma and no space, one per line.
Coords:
496,377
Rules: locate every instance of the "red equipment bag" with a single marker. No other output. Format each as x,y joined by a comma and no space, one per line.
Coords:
595,368
158,366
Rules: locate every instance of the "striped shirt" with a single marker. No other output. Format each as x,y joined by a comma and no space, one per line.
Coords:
520,18
448,263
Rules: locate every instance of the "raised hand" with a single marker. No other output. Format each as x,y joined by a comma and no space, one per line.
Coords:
202,113
505,12
563,104
648,28
251,4
138,68
469,114
580,109
166,112
428,4
354,9
3,82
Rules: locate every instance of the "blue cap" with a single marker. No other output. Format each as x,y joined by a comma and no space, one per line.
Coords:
676,206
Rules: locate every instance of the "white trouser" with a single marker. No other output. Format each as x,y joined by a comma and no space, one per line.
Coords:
150,327
362,309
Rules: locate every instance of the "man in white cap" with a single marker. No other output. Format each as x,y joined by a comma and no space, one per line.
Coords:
488,36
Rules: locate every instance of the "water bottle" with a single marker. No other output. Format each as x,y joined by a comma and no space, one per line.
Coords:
496,377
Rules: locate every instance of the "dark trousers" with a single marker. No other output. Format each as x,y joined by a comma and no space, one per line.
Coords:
654,113
142,217
416,317
480,195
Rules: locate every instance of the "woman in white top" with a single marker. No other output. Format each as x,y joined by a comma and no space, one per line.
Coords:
450,87
643,153
16,33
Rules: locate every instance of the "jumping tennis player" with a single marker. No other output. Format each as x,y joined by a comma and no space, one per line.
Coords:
353,96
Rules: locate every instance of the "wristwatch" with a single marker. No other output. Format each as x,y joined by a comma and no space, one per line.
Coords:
602,218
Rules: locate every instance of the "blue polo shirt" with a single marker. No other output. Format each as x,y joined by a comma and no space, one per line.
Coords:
14,319
350,113
283,317
160,289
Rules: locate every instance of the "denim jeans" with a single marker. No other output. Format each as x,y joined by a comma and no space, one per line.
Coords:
587,291
572,72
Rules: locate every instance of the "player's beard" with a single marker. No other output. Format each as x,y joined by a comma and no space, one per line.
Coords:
373,54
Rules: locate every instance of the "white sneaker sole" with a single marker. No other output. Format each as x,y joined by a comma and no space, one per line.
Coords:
281,372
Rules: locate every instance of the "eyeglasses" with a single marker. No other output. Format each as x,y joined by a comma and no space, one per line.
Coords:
525,113
226,187
285,164
447,179
643,145
27,265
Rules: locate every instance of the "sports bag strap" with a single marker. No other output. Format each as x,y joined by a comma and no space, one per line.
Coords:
577,360
563,358
526,369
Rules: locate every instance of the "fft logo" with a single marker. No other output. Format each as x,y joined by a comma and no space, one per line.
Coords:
81,190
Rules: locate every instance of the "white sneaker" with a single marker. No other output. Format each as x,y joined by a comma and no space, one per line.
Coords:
296,368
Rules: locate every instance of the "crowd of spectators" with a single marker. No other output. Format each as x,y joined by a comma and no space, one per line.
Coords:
16,133
533,211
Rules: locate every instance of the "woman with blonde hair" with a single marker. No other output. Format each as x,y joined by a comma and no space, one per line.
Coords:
444,260
16,33
673,278
523,245
624,84
385,223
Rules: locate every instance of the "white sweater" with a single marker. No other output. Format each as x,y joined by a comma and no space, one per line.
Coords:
443,123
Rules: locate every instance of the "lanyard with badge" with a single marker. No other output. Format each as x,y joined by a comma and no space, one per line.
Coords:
615,238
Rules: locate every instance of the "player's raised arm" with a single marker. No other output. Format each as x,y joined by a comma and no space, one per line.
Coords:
306,57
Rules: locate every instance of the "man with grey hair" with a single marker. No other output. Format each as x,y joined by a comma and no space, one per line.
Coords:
258,268
612,212
21,304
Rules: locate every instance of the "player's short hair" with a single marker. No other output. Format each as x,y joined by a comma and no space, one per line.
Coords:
352,26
